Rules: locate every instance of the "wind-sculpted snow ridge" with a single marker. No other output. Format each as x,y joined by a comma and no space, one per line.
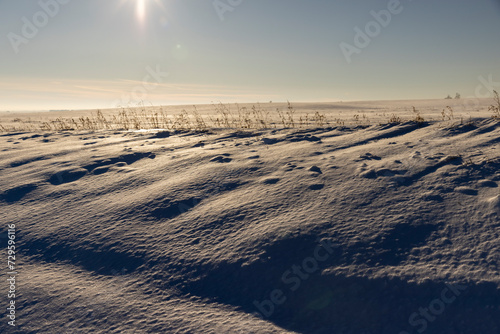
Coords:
373,229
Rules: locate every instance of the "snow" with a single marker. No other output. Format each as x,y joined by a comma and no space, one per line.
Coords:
374,228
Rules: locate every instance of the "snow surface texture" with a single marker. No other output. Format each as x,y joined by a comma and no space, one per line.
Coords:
367,229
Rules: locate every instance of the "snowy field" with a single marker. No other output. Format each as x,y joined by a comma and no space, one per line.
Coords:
251,115
365,227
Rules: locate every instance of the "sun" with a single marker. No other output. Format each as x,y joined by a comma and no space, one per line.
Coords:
141,8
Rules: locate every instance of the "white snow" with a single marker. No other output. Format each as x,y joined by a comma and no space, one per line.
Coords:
347,229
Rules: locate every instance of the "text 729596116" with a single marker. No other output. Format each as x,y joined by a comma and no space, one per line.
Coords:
12,273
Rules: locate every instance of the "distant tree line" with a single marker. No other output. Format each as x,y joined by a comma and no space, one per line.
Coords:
457,97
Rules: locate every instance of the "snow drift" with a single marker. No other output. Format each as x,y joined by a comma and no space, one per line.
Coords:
367,229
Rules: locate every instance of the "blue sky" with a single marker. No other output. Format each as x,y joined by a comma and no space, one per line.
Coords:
71,54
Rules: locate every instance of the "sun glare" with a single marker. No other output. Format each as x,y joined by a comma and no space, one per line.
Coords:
141,8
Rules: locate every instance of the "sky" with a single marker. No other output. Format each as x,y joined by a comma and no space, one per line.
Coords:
85,54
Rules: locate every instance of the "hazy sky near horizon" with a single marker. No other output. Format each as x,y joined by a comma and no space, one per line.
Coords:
74,54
